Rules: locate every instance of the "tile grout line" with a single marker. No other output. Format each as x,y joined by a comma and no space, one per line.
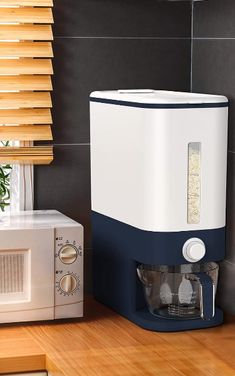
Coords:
138,37
192,39
213,38
73,144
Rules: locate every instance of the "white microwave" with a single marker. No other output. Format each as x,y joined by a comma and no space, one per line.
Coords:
41,266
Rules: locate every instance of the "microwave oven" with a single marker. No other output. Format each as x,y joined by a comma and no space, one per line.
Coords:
41,266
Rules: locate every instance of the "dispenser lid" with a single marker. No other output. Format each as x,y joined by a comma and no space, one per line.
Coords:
157,97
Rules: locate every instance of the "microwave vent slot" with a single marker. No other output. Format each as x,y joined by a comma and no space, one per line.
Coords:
11,273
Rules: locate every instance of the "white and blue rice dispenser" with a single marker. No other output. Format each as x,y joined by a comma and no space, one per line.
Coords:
158,182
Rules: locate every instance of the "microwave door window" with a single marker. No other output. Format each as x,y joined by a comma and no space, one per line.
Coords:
15,270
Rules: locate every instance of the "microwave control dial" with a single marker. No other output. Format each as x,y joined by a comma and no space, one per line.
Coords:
68,283
68,254
194,250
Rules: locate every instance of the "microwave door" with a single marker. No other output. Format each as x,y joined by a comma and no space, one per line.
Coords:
26,275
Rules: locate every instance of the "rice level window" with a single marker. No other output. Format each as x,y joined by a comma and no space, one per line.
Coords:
194,183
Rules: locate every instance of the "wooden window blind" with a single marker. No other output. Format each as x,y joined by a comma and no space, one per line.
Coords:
25,80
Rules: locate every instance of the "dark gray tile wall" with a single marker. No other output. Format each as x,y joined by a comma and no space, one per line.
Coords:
121,18
214,19
214,72
105,44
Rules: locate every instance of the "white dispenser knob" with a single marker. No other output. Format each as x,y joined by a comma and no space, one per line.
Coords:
68,283
194,250
68,254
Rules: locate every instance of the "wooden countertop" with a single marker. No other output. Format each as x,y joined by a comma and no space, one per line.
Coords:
106,344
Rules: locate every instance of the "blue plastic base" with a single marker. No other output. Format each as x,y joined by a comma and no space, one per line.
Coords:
146,320
156,248
118,249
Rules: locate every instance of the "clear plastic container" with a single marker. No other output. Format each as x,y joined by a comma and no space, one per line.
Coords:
182,292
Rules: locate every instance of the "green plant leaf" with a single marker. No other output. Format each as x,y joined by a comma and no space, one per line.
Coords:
5,174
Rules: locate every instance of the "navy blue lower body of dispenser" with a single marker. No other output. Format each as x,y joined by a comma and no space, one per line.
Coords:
119,248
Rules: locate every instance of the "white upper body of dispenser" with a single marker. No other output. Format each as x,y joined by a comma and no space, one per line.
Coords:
159,159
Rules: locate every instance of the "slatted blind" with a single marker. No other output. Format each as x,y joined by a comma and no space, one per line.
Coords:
25,79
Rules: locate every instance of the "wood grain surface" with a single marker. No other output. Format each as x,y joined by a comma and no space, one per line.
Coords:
25,49
41,3
26,116
25,32
106,344
25,99
25,66
27,155
26,15
25,82
26,133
